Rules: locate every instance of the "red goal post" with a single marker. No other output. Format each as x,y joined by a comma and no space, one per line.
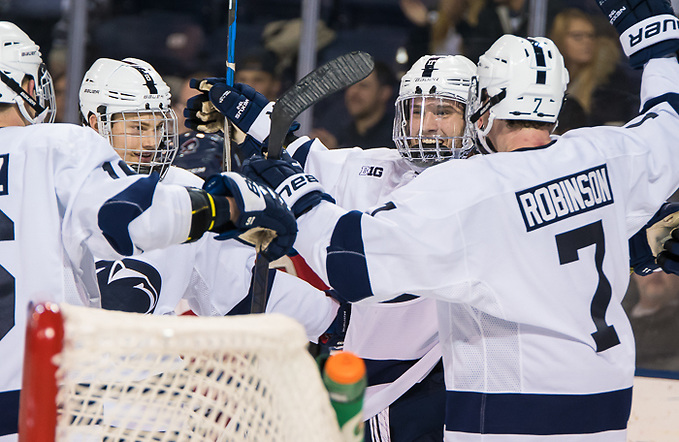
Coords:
91,374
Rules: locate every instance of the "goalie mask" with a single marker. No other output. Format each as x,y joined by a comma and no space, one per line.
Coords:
518,79
131,103
429,126
21,63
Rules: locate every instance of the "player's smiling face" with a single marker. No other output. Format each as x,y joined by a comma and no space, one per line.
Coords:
136,136
435,118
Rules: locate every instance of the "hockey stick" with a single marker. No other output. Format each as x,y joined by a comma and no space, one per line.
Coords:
230,71
332,77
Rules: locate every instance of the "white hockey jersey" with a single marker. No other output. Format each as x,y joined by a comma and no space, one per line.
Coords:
527,254
393,338
54,180
213,276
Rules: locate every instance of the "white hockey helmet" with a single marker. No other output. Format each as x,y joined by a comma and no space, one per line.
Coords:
434,83
20,58
518,79
131,93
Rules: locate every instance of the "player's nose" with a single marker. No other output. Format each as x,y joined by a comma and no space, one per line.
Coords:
431,124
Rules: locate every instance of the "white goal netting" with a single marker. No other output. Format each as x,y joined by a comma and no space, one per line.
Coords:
131,377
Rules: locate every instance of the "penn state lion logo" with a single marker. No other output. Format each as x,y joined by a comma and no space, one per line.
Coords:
128,285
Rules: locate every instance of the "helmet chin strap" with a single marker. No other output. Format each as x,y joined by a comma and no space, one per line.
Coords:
39,118
22,98
485,144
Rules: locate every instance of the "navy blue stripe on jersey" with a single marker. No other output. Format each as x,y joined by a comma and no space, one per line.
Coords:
540,414
4,174
386,371
401,298
118,212
671,98
648,116
564,197
9,418
127,170
302,152
346,264
108,167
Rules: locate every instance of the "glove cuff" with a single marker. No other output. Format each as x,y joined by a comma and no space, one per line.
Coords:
262,125
648,32
296,186
207,213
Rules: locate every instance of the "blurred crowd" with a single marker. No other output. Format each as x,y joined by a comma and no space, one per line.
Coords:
184,40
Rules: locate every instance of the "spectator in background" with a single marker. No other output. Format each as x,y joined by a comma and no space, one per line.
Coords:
438,31
598,82
257,68
370,106
181,92
653,314
494,18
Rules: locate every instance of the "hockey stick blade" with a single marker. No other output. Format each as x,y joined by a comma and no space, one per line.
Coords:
333,76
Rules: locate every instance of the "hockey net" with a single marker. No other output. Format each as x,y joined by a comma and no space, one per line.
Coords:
128,377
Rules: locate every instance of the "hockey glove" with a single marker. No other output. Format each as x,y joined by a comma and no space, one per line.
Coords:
250,147
264,219
333,338
655,244
300,191
246,108
668,259
648,28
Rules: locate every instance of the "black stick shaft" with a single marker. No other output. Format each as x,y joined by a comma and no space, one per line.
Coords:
260,285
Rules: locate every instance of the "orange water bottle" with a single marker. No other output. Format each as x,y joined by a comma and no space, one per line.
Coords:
345,379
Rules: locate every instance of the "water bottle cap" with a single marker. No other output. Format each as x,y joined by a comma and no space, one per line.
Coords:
344,368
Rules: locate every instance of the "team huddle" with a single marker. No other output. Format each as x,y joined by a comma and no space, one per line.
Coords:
481,264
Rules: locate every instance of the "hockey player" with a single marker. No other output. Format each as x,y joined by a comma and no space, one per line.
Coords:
127,102
397,339
530,261
59,204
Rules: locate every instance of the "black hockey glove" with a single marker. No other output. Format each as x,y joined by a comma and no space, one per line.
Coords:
656,245
246,108
301,191
648,28
264,221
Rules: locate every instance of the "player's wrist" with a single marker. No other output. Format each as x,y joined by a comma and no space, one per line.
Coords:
213,213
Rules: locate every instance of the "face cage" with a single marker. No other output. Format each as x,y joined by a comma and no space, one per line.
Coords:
46,96
425,150
146,151
44,105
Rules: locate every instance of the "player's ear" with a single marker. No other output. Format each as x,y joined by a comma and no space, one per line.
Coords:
29,86
92,121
